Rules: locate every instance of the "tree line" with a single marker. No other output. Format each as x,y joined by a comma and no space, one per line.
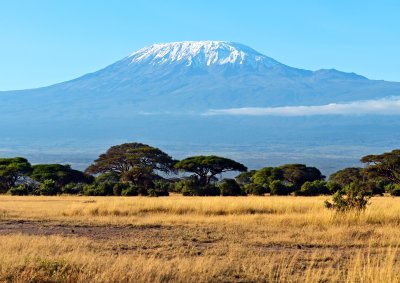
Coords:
133,169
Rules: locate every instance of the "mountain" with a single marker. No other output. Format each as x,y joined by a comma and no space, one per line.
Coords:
160,93
195,76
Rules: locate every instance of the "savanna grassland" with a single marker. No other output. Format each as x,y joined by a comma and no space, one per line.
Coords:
196,239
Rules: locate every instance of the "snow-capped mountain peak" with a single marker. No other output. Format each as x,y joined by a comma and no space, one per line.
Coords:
200,53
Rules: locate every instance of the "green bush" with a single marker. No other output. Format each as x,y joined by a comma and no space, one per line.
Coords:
48,188
280,189
131,190
393,189
190,187
355,196
314,188
395,192
161,188
73,189
229,187
374,188
118,188
103,189
333,187
21,190
254,189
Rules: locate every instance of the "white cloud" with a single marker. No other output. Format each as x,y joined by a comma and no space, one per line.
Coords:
387,106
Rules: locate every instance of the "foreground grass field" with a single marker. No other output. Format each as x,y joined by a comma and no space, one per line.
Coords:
196,239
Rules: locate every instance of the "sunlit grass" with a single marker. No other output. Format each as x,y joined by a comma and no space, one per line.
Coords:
256,239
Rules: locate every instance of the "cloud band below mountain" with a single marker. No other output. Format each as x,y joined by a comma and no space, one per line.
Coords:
387,106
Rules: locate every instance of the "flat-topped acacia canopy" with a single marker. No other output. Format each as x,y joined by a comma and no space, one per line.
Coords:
206,167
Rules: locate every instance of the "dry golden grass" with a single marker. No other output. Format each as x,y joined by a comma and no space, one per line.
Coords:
196,239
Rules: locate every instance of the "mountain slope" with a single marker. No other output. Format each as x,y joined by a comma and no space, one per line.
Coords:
159,93
195,76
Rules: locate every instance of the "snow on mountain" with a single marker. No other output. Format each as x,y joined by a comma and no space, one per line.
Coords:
200,53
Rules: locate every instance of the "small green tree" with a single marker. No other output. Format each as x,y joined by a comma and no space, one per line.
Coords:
229,187
21,190
314,188
278,188
353,197
265,176
12,170
61,174
48,188
255,189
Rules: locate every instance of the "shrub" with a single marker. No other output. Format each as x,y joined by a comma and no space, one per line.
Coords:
161,188
254,189
103,189
333,187
314,188
21,190
190,187
396,191
229,187
393,189
131,190
73,189
118,188
353,197
280,189
48,188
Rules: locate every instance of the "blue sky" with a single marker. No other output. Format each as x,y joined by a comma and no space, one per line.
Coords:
45,42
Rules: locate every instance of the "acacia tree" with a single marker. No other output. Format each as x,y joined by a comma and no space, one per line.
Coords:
60,174
12,170
265,176
133,162
298,174
207,167
386,165
347,176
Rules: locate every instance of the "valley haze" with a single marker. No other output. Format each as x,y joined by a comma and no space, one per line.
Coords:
205,97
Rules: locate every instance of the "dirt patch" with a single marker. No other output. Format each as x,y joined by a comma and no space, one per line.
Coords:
94,232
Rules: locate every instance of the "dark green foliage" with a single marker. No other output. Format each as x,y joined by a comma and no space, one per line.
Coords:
395,192
187,187
21,190
244,178
119,187
191,187
11,171
314,188
393,189
354,196
161,188
298,174
133,162
131,190
60,174
107,178
255,189
265,176
229,187
278,188
207,167
333,187
386,165
73,189
48,188
374,188
347,176
102,189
